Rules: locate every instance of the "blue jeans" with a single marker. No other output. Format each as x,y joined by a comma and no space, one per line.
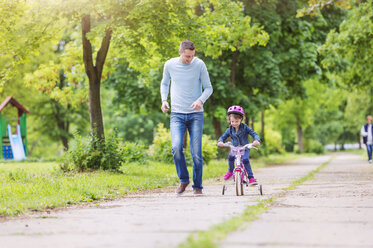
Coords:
245,160
369,150
192,122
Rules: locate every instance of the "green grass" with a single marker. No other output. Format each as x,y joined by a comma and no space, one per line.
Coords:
361,152
211,237
36,186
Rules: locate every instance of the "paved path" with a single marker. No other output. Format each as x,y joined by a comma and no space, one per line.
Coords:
164,220
335,209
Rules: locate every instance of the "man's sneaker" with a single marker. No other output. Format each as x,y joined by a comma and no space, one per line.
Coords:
197,192
252,181
228,175
181,188
370,161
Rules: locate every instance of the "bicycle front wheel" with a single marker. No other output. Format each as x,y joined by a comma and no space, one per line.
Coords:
237,179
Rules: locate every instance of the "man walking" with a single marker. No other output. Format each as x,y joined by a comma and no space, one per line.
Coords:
188,75
367,133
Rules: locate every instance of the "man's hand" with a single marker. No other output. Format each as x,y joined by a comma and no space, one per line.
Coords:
197,105
165,106
221,144
256,143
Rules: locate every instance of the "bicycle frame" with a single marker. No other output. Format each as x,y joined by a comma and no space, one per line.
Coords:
238,152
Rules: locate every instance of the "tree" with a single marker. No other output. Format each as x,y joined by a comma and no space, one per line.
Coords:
348,52
267,75
136,29
314,6
217,27
22,31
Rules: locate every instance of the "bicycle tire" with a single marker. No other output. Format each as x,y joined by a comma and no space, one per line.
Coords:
242,188
237,178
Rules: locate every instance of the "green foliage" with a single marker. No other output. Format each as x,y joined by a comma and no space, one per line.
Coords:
161,149
347,51
314,6
92,153
225,27
134,153
313,146
24,28
209,149
273,142
133,93
257,52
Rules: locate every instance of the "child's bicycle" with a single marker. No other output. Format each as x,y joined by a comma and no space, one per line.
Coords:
240,176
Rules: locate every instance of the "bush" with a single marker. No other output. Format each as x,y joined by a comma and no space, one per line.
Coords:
273,142
90,153
161,149
209,149
134,153
107,155
314,146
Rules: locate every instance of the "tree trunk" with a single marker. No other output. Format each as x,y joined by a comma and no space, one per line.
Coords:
252,122
247,121
62,123
234,66
359,140
94,73
300,136
262,126
64,127
65,142
217,127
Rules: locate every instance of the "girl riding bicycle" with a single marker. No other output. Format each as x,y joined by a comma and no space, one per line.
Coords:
239,133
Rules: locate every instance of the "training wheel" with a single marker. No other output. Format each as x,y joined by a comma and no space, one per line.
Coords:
223,190
260,189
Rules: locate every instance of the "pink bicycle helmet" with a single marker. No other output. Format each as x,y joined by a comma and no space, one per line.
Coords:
235,109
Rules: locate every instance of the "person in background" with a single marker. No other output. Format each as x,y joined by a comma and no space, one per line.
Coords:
367,133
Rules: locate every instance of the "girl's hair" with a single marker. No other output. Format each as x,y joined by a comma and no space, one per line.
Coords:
235,116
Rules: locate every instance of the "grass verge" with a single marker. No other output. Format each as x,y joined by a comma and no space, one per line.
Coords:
211,237
37,186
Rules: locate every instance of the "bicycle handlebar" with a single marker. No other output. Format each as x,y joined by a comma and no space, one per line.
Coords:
249,146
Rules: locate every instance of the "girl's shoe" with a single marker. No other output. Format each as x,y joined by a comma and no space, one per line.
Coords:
252,181
228,175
